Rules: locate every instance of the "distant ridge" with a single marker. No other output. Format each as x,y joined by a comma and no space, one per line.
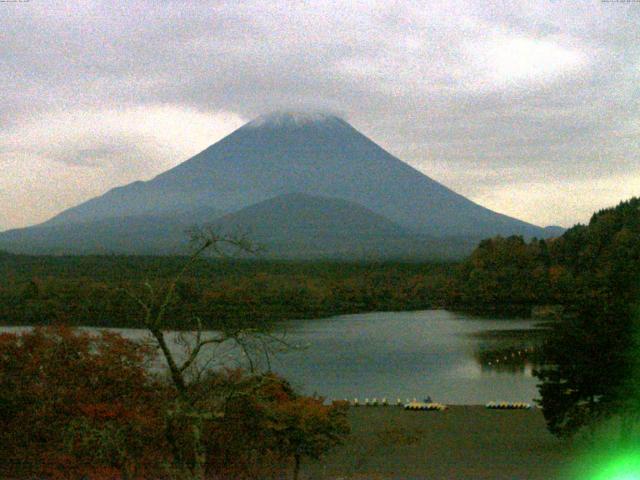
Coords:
288,226
554,231
301,214
299,225
308,155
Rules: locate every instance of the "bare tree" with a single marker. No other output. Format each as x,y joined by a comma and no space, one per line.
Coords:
249,340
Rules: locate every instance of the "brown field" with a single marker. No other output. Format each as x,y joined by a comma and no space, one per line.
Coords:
463,442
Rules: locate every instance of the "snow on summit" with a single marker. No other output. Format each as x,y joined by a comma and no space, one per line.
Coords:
294,118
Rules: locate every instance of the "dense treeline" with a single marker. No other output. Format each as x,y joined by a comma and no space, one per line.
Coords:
592,271
502,276
96,290
591,356
509,274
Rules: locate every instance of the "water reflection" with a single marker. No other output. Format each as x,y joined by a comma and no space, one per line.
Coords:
516,360
452,357
513,351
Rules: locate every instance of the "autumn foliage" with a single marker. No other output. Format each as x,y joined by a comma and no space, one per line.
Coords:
267,427
589,361
90,290
75,405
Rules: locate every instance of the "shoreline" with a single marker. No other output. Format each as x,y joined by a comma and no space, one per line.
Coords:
287,320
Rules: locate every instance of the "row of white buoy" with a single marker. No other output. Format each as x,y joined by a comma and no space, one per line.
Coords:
513,355
371,403
407,405
428,405
375,403
508,405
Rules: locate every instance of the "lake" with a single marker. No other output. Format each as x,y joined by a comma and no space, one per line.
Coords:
453,357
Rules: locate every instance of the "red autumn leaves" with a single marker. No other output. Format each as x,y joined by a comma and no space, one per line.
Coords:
76,405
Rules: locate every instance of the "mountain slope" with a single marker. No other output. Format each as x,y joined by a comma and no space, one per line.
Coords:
297,225
297,214
312,154
138,234
287,226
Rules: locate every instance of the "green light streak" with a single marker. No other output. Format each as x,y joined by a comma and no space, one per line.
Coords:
620,466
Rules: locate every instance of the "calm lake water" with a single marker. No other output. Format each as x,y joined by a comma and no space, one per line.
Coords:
452,357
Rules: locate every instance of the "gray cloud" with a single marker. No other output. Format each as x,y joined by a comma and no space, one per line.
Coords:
483,96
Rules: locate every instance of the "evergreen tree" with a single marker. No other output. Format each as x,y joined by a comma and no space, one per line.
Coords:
591,356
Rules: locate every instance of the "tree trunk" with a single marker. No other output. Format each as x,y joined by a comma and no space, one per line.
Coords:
199,453
296,466
176,375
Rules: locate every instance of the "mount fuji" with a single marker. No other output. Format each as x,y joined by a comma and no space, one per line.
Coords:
307,185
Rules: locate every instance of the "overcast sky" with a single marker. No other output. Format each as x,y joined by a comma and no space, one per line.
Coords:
529,108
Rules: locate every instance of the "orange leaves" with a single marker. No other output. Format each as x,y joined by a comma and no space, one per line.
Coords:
73,404
102,411
264,424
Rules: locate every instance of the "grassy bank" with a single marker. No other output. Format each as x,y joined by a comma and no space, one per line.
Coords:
463,442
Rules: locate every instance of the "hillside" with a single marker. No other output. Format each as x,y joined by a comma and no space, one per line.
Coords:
599,261
299,225
312,154
287,226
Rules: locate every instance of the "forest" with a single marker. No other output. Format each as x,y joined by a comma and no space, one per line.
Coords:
504,276
102,414
599,260
96,290
80,405
591,273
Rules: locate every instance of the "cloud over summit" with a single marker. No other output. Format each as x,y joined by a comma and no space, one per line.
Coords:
498,100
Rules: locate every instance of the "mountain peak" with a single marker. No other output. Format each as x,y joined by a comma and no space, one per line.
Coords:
292,118
312,152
